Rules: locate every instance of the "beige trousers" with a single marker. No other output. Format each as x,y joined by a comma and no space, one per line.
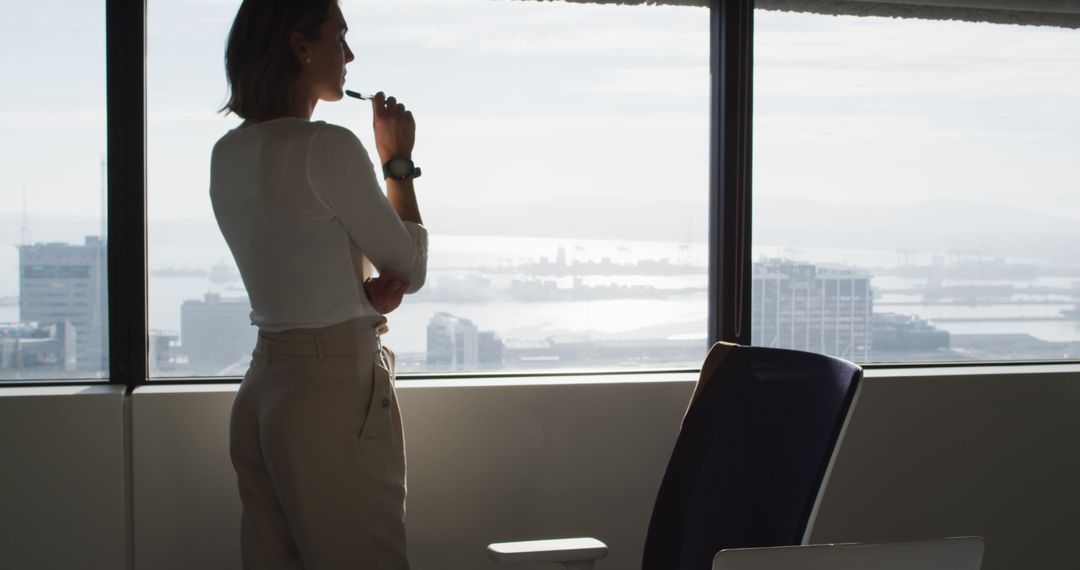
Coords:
316,440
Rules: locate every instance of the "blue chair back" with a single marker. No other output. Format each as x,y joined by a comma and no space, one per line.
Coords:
750,456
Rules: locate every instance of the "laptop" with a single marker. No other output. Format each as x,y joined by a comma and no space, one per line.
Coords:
961,553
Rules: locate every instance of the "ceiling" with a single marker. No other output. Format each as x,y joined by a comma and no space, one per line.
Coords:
1059,13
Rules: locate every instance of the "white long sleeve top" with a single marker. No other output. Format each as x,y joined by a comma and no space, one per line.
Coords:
298,203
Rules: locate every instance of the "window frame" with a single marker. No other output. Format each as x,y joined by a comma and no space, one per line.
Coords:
729,189
730,25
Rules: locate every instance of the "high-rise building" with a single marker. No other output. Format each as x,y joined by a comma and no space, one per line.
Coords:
60,281
216,332
452,343
816,309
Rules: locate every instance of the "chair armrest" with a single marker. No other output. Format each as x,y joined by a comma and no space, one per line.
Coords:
559,550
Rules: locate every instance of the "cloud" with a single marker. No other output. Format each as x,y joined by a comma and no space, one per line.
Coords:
795,128
188,117
558,124
845,79
522,28
58,119
868,57
799,38
657,82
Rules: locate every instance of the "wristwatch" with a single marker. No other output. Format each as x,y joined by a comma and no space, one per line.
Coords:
400,169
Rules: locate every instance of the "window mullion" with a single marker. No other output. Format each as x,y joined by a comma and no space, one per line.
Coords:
731,64
126,182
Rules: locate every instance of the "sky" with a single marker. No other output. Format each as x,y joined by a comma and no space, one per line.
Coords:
514,102
876,110
521,102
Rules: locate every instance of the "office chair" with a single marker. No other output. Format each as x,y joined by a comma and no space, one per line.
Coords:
747,465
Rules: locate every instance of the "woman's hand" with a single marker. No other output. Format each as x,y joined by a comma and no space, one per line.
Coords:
385,291
395,129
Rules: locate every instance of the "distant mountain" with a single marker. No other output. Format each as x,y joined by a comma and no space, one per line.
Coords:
936,225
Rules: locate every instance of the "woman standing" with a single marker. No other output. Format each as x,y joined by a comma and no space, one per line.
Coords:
315,432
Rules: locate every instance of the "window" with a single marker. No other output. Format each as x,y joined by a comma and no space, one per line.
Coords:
565,158
915,188
961,252
52,154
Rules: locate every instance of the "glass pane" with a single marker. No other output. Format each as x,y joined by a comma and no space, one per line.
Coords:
565,158
915,187
53,311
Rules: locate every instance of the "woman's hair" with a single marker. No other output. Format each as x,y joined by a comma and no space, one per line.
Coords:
260,65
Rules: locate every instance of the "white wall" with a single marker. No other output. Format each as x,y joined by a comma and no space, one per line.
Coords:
506,463
62,478
974,452
499,461
186,510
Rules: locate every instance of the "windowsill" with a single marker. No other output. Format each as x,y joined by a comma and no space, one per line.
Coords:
17,391
450,381
1003,369
546,380
461,380
188,387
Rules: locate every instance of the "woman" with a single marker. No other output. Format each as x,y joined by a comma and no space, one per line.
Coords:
315,432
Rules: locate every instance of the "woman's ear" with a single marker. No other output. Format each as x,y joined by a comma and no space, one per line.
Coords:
299,45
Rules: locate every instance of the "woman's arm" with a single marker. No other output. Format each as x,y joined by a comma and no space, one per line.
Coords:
402,196
395,136
385,291
343,177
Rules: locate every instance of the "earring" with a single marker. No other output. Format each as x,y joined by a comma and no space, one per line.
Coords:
308,60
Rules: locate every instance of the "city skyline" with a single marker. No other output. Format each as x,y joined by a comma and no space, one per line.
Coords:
914,310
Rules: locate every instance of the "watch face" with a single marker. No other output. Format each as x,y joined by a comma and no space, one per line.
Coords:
400,167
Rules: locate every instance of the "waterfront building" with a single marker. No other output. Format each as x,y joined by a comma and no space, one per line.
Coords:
216,332
531,353
65,282
584,351
816,309
37,349
898,337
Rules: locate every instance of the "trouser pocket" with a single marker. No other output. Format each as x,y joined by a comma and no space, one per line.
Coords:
378,420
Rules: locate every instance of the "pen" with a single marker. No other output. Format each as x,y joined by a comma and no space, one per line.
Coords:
352,93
